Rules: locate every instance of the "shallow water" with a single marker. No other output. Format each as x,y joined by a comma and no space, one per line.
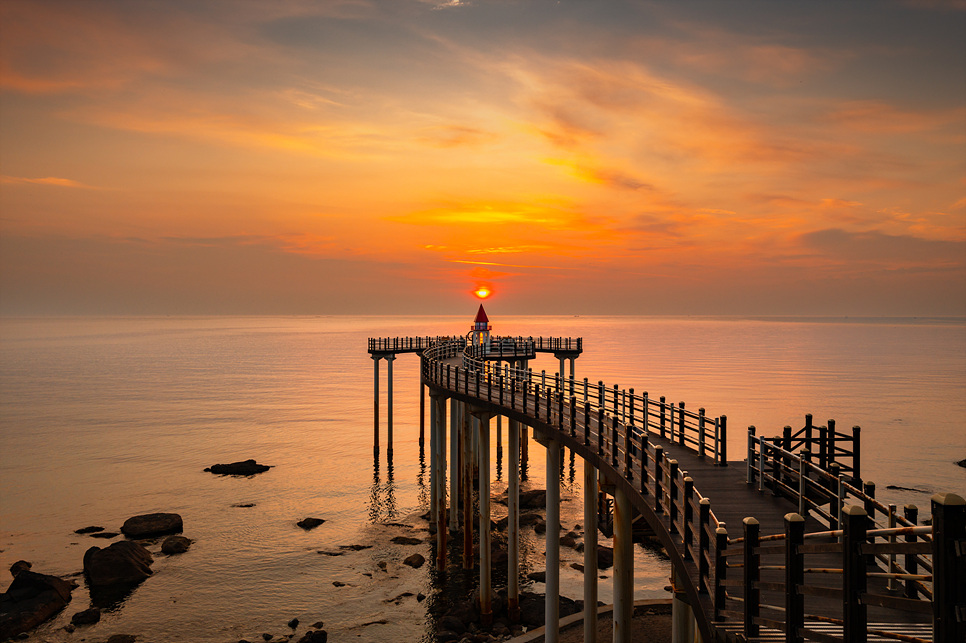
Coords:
105,418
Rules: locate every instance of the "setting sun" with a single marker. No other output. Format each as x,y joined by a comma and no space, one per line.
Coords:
482,292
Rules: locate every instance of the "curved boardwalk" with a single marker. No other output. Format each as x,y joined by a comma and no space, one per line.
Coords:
785,544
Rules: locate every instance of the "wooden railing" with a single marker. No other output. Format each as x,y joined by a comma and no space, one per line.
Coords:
878,558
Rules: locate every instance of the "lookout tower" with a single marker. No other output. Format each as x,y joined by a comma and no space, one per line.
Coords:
480,330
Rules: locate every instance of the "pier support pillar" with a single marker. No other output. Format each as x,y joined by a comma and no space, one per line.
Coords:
623,566
486,554
375,404
590,553
681,616
439,427
467,482
389,360
455,408
552,606
513,523
422,414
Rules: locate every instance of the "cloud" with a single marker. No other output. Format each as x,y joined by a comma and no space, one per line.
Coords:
48,180
889,251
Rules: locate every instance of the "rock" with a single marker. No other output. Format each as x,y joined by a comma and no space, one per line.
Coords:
149,525
605,557
315,636
318,625
568,541
415,561
533,499
122,638
355,547
338,583
107,535
293,623
420,597
407,540
88,530
244,468
175,545
267,636
310,523
578,567
30,600
331,553
451,624
124,563
530,519
244,505
539,577
540,527
19,566
86,617
962,463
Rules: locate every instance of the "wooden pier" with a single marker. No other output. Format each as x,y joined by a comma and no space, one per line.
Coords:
787,543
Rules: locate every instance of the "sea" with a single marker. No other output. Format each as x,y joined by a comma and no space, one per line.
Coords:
105,418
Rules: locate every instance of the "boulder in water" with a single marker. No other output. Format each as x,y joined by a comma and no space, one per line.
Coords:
175,545
122,564
243,468
310,523
30,600
149,525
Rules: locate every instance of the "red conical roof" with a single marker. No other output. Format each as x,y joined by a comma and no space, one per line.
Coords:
481,316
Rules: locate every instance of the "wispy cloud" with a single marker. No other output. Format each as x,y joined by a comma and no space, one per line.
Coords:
53,181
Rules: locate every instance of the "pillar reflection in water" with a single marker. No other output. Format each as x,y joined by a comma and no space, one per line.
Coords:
382,497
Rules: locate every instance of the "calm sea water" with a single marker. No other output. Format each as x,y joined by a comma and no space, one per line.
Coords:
102,419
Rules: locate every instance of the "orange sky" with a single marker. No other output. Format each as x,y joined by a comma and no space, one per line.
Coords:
357,156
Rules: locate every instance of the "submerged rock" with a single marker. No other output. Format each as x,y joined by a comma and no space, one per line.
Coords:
149,525
407,540
315,636
310,523
175,545
243,468
415,561
88,530
30,600
86,617
19,566
962,463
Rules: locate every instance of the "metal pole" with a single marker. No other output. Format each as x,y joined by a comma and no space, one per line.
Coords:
623,567
513,524
486,590
590,553
552,605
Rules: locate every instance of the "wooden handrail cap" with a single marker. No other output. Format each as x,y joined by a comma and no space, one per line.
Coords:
948,499
854,510
793,517
704,501
750,520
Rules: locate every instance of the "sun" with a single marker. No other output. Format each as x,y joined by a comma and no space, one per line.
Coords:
482,292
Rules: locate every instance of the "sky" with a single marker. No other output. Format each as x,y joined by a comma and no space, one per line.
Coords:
392,156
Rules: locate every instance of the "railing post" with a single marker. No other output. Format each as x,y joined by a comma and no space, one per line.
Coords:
752,562
663,419
776,467
646,411
672,485
761,463
689,518
643,485
948,566
614,442
720,569
681,440
794,577
658,479
600,430
573,415
722,441
586,423
856,454
911,561
704,543
628,463
803,482
854,581
701,433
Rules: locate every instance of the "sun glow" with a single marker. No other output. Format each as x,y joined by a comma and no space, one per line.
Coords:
482,292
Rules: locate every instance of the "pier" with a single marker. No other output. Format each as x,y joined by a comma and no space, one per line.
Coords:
787,543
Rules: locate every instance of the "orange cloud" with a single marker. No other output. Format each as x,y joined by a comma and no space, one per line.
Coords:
48,180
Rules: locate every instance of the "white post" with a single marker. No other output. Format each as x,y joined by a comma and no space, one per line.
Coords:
486,590
513,523
454,457
552,606
590,553
433,468
440,432
623,567
389,361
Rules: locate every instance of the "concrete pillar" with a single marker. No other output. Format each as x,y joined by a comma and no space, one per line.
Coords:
623,567
486,555
389,361
513,524
552,606
440,428
680,610
467,476
433,464
454,459
422,414
375,404
590,553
